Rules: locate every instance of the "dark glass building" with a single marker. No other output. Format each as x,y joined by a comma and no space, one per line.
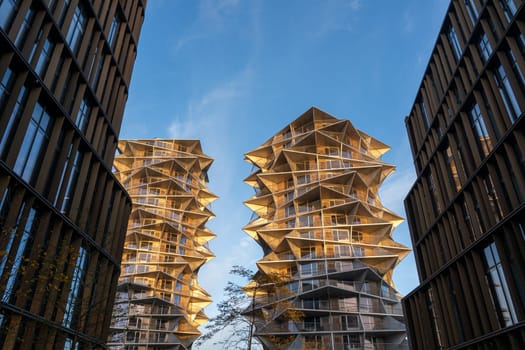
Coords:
466,211
65,68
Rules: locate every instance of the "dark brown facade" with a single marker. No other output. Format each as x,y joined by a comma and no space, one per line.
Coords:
466,211
65,68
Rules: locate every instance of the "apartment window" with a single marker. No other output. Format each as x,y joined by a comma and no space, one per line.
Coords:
76,29
357,236
453,171
480,129
507,94
306,221
13,119
34,142
142,268
7,9
358,251
146,245
339,219
145,257
171,248
331,151
45,56
332,164
71,183
289,211
75,288
6,85
352,342
113,30
15,269
312,323
303,179
509,8
26,24
499,287
83,115
493,197
98,70
472,10
309,269
349,322
311,304
340,235
342,250
346,154
484,47
454,42
516,68
288,196
425,113
313,342
308,252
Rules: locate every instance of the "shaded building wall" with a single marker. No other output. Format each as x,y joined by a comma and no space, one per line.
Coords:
466,209
65,68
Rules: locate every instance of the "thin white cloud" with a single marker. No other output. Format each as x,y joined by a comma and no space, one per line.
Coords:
407,22
337,15
395,189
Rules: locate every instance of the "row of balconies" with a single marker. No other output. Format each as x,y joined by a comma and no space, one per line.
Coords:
357,322
299,287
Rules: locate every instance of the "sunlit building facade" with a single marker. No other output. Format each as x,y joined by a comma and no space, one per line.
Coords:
65,70
159,303
323,230
466,210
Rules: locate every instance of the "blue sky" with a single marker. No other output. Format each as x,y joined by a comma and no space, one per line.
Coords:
234,72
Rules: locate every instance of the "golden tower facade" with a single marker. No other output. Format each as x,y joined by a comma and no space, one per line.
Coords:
323,229
159,303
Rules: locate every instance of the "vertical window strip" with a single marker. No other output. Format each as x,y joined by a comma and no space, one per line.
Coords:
509,9
13,119
7,9
17,261
75,288
45,56
34,142
480,130
472,11
26,25
484,47
499,287
76,29
454,42
72,181
507,94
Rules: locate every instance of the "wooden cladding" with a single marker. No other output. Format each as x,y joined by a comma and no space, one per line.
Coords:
466,208
65,68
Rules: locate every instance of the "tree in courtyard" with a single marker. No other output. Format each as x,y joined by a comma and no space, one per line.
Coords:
242,310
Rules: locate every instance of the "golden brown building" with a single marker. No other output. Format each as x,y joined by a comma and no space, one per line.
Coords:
159,303
65,68
326,236
466,211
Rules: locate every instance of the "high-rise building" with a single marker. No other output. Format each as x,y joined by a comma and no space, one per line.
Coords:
326,237
65,68
466,210
159,303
